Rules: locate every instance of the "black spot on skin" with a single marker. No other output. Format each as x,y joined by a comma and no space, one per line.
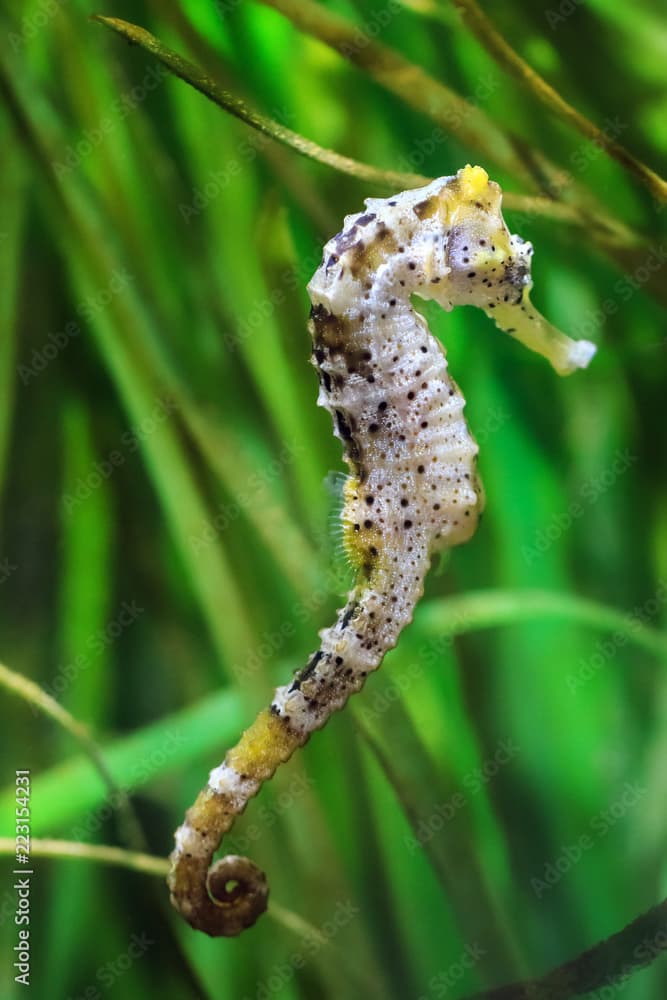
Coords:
363,220
347,617
343,426
308,669
329,331
358,258
345,240
425,209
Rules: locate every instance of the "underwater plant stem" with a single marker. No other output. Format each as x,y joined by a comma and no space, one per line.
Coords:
33,694
389,179
608,963
207,86
611,960
151,864
481,609
508,59
456,115
118,857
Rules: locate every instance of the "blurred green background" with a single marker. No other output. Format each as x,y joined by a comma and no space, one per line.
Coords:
495,801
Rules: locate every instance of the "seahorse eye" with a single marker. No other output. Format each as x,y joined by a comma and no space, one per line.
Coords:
517,273
480,258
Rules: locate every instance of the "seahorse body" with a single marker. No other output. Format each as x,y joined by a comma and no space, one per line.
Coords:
412,489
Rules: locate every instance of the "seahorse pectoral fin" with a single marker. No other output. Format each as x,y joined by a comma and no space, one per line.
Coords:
522,321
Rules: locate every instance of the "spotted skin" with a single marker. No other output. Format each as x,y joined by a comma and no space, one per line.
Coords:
412,488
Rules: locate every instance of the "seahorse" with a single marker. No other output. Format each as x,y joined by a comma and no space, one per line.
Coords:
412,488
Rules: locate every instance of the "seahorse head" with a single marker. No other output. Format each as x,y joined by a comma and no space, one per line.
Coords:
448,242
486,266
483,263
